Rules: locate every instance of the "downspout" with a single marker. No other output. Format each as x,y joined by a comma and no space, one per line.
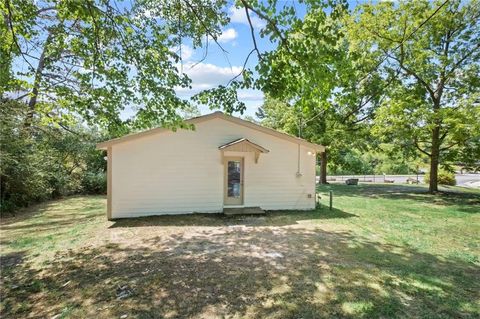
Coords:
298,161
298,149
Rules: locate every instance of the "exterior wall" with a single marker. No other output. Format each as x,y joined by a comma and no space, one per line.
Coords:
182,172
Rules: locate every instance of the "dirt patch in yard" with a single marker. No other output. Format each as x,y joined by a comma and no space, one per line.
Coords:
237,268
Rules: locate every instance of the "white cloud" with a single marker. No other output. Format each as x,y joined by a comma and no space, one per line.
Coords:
250,95
185,51
206,76
147,13
238,15
228,35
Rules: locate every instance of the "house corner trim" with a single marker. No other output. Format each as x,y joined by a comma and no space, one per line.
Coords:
109,183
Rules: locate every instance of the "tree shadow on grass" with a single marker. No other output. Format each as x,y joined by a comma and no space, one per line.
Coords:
12,259
271,218
468,201
246,272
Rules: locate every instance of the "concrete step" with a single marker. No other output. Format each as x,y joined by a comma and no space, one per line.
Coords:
243,211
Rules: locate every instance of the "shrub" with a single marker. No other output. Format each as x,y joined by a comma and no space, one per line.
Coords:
94,183
444,178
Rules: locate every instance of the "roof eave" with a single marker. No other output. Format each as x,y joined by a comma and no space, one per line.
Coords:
316,147
102,146
259,148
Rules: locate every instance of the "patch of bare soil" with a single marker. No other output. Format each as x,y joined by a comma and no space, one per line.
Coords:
215,267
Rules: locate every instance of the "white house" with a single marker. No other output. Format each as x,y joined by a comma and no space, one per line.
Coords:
224,162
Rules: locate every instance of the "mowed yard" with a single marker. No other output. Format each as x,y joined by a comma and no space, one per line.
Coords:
384,251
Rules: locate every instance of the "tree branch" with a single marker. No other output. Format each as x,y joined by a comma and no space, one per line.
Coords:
205,54
448,147
200,19
65,127
243,68
270,22
411,72
415,142
405,38
444,135
14,36
459,62
39,11
252,32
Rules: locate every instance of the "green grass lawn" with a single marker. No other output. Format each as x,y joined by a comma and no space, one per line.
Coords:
384,251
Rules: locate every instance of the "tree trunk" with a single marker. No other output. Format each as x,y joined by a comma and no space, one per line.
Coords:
323,167
434,160
36,83
436,142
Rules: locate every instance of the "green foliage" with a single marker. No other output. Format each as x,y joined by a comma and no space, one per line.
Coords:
410,68
444,178
95,58
383,159
427,54
279,115
222,95
317,89
40,162
303,66
94,183
25,165
362,155
390,159
350,162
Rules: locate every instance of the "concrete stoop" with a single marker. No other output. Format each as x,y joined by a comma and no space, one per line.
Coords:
243,211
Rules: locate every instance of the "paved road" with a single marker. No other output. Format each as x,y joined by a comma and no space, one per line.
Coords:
468,179
465,180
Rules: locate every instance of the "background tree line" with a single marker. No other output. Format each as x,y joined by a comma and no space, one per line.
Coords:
43,162
352,151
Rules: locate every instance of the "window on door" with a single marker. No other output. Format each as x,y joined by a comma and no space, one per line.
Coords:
234,179
233,189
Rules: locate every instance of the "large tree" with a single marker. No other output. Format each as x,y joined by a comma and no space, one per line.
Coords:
314,73
299,74
429,53
94,58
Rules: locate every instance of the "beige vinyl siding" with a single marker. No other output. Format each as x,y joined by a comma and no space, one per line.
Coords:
273,184
166,173
182,172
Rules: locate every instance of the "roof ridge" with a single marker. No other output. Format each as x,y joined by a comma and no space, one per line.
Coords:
206,117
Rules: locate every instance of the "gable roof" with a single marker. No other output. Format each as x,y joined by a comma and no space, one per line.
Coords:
208,117
243,141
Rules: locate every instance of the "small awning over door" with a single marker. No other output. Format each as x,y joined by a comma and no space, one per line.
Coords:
244,145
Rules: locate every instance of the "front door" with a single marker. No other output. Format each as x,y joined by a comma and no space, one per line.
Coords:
233,181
